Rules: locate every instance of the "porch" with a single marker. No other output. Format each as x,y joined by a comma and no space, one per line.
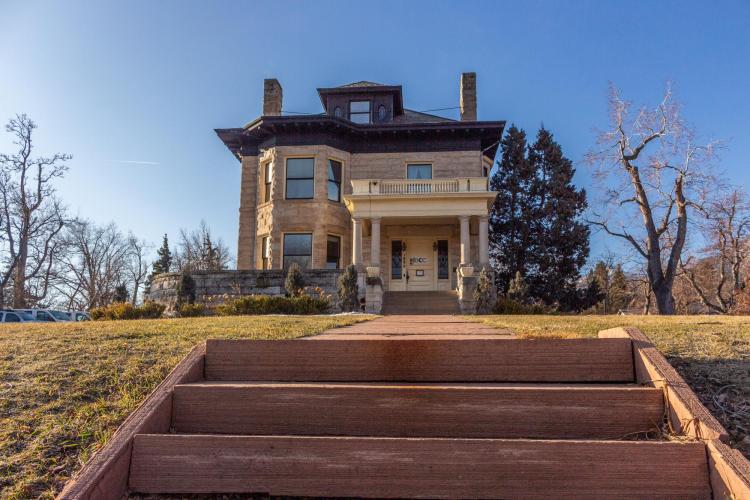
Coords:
418,234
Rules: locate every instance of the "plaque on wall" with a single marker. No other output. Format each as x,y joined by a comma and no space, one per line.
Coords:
420,272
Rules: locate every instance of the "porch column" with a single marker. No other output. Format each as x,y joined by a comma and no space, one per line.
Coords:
465,240
484,241
375,242
357,242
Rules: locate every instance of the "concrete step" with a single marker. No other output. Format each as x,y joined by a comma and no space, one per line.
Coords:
450,359
417,468
418,410
420,303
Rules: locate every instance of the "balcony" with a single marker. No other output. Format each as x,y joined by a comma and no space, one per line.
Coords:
406,187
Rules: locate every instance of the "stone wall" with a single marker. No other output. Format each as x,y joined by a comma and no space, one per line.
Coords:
216,284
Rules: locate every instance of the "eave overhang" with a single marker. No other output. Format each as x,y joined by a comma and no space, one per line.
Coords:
265,127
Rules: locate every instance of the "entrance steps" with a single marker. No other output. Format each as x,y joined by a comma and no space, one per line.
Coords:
418,416
420,303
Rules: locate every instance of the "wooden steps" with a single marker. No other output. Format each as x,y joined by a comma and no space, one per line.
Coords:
401,410
414,417
457,359
418,468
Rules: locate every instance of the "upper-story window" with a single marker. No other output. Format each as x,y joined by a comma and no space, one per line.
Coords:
337,112
334,180
382,113
359,111
419,171
300,178
267,173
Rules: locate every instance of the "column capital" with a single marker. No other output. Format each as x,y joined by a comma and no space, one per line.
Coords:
464,218
375,219
483,218
357,219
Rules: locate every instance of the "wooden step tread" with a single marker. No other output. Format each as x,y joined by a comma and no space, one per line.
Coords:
418,410
465,359
417,468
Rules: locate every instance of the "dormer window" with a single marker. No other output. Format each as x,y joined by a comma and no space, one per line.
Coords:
338,113
382,113
359,111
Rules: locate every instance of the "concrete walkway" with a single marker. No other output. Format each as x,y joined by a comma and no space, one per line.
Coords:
421,326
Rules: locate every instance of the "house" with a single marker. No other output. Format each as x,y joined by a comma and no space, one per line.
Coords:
367,182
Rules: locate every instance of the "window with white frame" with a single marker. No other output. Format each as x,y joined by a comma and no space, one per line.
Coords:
419,171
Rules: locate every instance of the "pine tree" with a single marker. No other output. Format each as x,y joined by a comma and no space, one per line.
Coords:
619,294
120,294
295,280
535,226
601,273
561,240
164,261
511,211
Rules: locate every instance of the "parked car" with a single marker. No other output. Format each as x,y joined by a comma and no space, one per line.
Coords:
46,315
11,316
79,316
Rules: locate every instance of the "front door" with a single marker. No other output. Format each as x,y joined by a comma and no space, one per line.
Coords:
419,261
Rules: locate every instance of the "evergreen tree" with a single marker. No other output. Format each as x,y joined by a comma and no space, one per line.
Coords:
561,240
164,261
295,280
120,294
163,264
601,273
518,290
348,290
512,209
619,294
535,226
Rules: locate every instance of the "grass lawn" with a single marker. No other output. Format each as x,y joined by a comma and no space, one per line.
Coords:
712,353
65,388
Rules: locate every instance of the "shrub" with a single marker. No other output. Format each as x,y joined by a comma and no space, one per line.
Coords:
484,295
126,310
266,304
348,290
505,305
295,280
192,310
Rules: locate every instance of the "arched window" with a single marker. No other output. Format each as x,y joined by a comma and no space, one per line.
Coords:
381,113
337,112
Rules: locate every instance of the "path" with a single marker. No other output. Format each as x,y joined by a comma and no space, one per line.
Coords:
423,326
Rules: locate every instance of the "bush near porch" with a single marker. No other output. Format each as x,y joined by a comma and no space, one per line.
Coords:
66,387
712,353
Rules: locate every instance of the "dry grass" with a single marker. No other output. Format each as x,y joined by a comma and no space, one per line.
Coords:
712,353
64,388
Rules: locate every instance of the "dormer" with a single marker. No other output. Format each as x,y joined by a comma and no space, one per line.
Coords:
364,103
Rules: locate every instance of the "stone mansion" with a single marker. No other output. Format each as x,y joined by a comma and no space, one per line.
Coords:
369,182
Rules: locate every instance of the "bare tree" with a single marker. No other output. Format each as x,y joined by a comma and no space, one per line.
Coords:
94,264
32,216
651,169
198,251
716,276
137,264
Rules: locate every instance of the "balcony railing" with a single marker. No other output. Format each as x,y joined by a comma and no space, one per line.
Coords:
396,187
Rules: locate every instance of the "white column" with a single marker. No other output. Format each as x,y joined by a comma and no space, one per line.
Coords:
375,242
357,242
465,240
484,241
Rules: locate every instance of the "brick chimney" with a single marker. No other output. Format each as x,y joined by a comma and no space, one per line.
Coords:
272,97
468,97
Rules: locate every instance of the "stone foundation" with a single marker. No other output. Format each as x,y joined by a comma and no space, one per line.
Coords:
213,287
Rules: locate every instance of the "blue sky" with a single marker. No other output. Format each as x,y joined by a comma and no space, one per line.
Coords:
134,89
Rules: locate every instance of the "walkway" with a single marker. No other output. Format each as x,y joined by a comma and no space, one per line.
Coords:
423,326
